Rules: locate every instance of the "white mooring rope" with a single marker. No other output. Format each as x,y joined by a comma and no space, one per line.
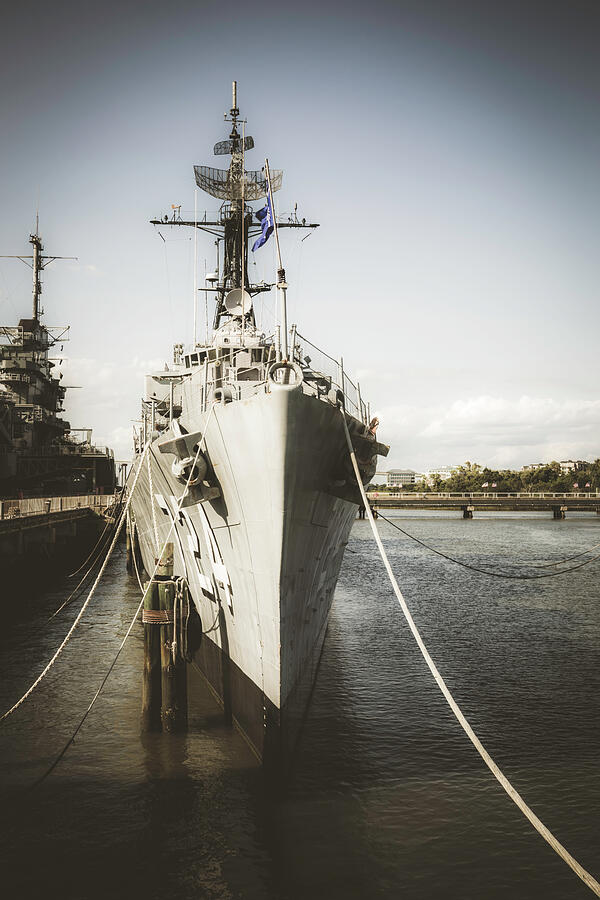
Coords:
69,634
152,504
131,529
137,612
539,826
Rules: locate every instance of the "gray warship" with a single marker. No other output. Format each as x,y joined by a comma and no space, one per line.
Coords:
40,453
252,423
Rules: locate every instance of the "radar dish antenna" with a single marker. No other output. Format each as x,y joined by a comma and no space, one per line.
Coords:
238,302
229,146
219,183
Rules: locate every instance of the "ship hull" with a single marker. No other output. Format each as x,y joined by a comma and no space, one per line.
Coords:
261,560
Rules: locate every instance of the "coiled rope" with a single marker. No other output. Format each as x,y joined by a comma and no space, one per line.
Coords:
539,826
138,610
181,617
465,565
69,634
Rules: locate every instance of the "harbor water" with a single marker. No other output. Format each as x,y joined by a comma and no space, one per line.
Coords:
387,797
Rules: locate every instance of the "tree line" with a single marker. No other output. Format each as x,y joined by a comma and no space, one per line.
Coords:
473,477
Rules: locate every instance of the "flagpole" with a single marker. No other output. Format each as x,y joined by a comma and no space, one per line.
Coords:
281,283
205,305
243,223
195,267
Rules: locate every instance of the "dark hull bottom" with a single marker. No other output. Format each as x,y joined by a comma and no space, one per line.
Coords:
272,733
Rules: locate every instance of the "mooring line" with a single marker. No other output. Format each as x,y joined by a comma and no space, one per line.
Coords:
559,562
76,590
69,634
131,530
99,541
74,593
539,826
92,701
466,565
137,612
152,501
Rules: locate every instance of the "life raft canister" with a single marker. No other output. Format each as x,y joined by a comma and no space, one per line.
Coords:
285,376
223,394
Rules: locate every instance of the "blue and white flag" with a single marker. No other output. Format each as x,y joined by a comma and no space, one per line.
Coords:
266,218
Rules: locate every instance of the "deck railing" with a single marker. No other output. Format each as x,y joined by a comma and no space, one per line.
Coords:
323,364
484,495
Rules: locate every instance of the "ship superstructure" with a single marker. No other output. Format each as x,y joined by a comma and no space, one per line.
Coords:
252,423
40,454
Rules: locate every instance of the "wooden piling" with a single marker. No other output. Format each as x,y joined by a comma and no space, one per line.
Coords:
164,694
173,712
151,686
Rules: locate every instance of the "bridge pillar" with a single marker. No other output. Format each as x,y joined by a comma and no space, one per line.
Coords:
467,512
559,511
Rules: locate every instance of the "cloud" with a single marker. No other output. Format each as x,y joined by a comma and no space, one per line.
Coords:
107,399
490,417
121,441
496,431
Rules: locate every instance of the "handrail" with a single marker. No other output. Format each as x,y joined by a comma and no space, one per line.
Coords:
354,400
318,349
42,506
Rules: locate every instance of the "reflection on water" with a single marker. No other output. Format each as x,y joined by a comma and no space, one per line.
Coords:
387,797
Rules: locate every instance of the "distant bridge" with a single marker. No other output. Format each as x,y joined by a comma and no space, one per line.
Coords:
469,502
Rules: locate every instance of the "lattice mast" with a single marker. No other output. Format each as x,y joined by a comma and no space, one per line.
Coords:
236,187
38,263
238,223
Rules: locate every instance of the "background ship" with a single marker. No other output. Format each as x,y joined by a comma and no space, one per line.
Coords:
40,454
253,424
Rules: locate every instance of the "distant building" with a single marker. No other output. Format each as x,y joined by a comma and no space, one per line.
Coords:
400,477
572,465
567,466
442,472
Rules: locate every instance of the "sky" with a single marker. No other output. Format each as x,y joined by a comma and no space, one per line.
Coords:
449,152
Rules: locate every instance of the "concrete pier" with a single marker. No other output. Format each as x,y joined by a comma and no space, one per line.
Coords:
46,534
